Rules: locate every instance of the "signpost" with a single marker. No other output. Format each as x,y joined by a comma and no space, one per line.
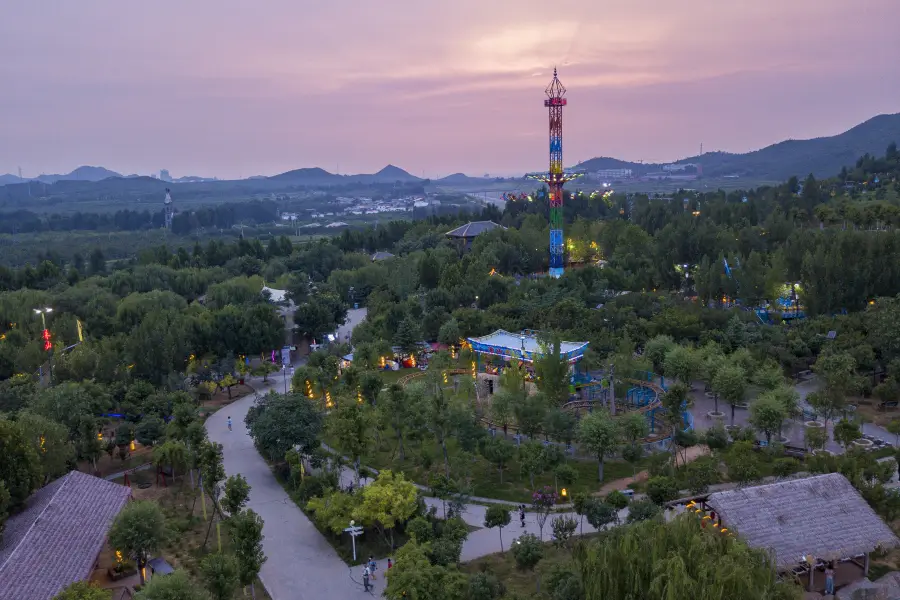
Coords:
354,530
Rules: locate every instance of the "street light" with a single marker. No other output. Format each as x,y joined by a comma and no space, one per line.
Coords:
48,344
354,530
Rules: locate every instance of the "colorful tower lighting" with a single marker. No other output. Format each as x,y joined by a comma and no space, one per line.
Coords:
556,177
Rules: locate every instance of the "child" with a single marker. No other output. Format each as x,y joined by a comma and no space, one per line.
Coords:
390,564
229,422
372,566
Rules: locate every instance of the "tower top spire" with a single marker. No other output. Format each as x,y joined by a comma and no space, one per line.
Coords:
555,89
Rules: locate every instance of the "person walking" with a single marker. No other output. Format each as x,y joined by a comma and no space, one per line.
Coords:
390,564
229,422
373,566
522,514
829,578
366,586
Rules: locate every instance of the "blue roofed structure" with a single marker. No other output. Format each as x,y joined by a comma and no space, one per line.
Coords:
522,346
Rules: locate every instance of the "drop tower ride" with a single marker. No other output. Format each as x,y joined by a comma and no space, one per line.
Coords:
556,177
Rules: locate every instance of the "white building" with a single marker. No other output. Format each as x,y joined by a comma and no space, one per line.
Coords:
614,174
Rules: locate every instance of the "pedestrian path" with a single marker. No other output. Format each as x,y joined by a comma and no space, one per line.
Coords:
301,563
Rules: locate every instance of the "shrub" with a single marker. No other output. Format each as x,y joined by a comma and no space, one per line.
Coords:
662,489
617,499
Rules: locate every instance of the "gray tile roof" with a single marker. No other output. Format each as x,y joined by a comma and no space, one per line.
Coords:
474,228
823,515
56,539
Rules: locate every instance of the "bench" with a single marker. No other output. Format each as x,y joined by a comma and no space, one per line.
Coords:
888,404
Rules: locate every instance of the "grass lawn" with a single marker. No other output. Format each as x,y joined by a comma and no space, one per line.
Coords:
390,377
515,487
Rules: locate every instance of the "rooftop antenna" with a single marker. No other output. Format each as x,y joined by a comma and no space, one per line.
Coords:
169,208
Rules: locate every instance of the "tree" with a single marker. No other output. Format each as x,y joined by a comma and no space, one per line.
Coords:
449,332
351,424
279,422
484,586
333,510
175,586
846,432
498,452
531,456
246,540
527,551
600,514
617,566
742,463
237,492
563,530
894,427
388,501
731,384
552,372
682,363
501,410
530,413
599,433
767,414
408,336
414,577
139,531
212,474
642,510
20,469
837,371
656,350
50,441
173,453
84,590
220,575
662,489
149,430
543,501
497,516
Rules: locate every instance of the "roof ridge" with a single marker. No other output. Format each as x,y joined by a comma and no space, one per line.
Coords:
66,478
782,482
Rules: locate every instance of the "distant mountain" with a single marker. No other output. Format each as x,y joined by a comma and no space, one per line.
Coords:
309,175
7,179
823,157
456,178
391,173
80,174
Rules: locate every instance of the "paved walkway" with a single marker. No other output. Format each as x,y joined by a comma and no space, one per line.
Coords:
301,563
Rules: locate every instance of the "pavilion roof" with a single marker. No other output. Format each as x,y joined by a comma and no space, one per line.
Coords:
504,340
823,516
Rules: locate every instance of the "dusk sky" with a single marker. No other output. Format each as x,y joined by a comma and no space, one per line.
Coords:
232,89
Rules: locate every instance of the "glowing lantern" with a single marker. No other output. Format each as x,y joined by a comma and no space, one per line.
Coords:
131,445
359,398
446,380
563,492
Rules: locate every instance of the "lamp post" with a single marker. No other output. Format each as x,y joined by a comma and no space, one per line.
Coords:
48,345
284,371
354,530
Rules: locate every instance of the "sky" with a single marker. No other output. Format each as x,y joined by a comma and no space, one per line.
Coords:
232,88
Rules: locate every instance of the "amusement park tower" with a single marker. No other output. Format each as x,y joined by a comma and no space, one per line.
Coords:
556,177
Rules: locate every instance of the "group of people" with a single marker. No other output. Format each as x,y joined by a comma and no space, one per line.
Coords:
369,572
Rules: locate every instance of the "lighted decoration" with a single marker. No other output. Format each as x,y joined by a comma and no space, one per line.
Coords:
328,402
563,492
119,558
131,445
43,449
446,379
47,343
474,373
359,398
381,362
